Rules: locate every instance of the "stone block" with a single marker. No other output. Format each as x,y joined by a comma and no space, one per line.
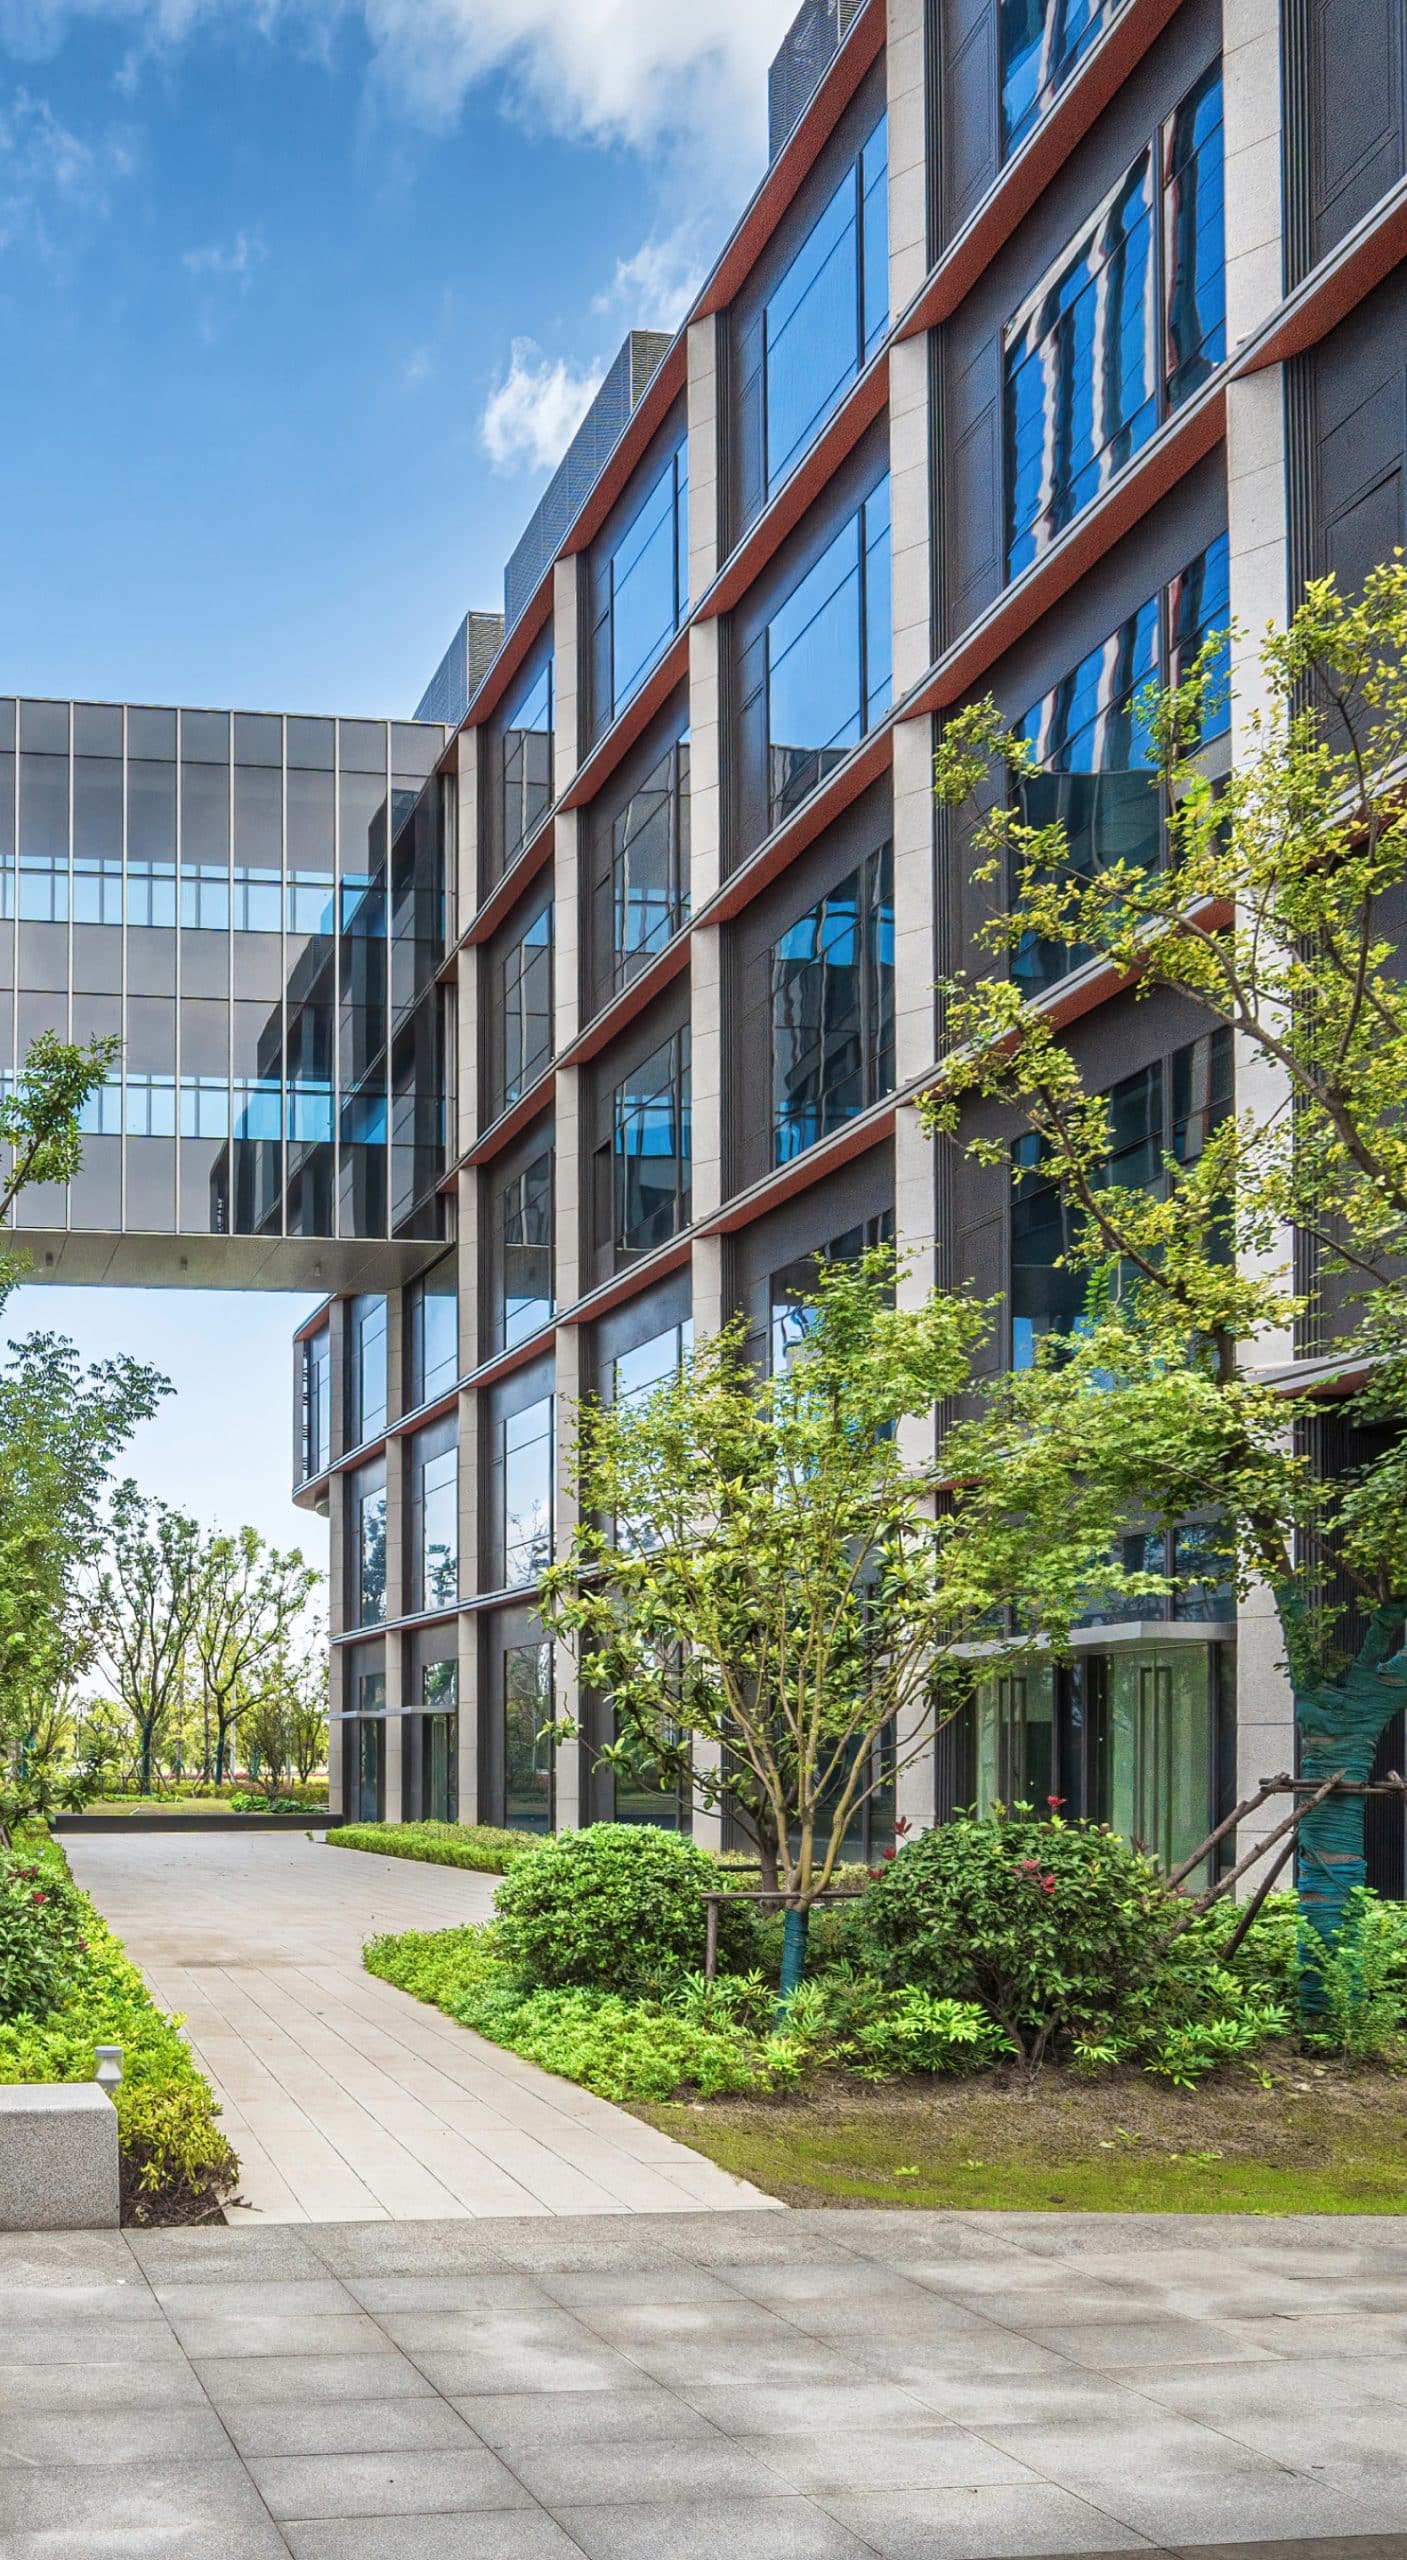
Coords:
58,2158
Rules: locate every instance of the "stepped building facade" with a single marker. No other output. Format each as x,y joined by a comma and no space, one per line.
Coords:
555,1025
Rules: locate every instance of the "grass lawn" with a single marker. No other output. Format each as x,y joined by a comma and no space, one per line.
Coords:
1321,2140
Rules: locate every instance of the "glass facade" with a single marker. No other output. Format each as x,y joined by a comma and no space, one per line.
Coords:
367,1501
1127,326
649,889
795,1285
1156,1119
827,660
650,1149
434,1518
525,1258
833,1009
527,1744
825,318
366,1370
432,1324
523,1010
527,761
526,1461
642,591
1041,43
1090,736
439,1742
212,887
315,1380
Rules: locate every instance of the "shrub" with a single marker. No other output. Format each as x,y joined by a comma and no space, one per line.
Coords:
41,1925
1051,1926
442,1844
618,1907
621,2048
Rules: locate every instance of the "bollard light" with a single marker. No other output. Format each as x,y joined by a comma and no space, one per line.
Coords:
109,2071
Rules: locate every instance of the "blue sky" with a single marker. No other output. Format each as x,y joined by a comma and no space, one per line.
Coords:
300,301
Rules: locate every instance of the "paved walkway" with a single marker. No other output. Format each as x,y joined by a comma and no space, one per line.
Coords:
762,2386
346,2100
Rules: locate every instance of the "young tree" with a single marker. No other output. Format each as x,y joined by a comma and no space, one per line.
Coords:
308,1720
252,1598
149,1599
39,1119
758,1586
1278,911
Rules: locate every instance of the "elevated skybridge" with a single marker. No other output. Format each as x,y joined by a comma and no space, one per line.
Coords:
255,904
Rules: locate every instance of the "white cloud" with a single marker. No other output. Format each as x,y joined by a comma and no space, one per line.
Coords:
45,169
683,79
236,258
654,289
531,416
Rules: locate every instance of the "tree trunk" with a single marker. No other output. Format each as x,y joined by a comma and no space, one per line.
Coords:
220,1741
144,1763
795,1930
1340,1723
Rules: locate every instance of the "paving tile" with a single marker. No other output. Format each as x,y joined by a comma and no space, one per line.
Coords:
228,2379
694,2363
88,2341
523,2533
798,2409
1176,2513
352,2250
409,2482
1079,2454
64,2258
130,2383
510,2420
282,2333
466,2293
1134,2343
460,2373
931,2457
756,2529
259,2297
104,2436
606,2288
220,2257
37,2497
228,2541
257,2427
633,2473
979,2524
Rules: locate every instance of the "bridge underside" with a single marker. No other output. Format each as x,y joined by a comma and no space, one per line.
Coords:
223,1262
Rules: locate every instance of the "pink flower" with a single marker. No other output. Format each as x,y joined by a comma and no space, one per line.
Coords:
1047,1884
1055,1802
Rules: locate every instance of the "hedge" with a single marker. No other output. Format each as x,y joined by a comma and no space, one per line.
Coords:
440,1844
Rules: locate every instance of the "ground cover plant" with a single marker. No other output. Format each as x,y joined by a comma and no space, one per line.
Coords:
440,1844
1013,2011
66,1987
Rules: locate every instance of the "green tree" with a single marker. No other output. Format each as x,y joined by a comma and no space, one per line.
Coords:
760,1588
149,1599
60,1429
1274,913
252,1598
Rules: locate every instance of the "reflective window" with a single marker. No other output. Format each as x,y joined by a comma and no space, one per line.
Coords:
526,1462
827,669
1092,368
433,1311
527,1740
830,310
636,1374
793,1288
643,591
369,1546
316,1383
526,1210
205,897
650,865
150,1106
434,1521
1090,736
527,762
525,1009
651,1149
205,1107
1042,42
833,1008
1154,1121
366,1370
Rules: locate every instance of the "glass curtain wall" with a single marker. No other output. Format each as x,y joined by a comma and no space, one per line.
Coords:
528,1797
641,591
432,1317
526,1462
527,761
525,1258
649,890
439,1742
524,1010
833,1009
1128,326
366,1370
1041,43
827,669
650,1149
316,1403
1090,736
434,1517
830,311
367,1503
